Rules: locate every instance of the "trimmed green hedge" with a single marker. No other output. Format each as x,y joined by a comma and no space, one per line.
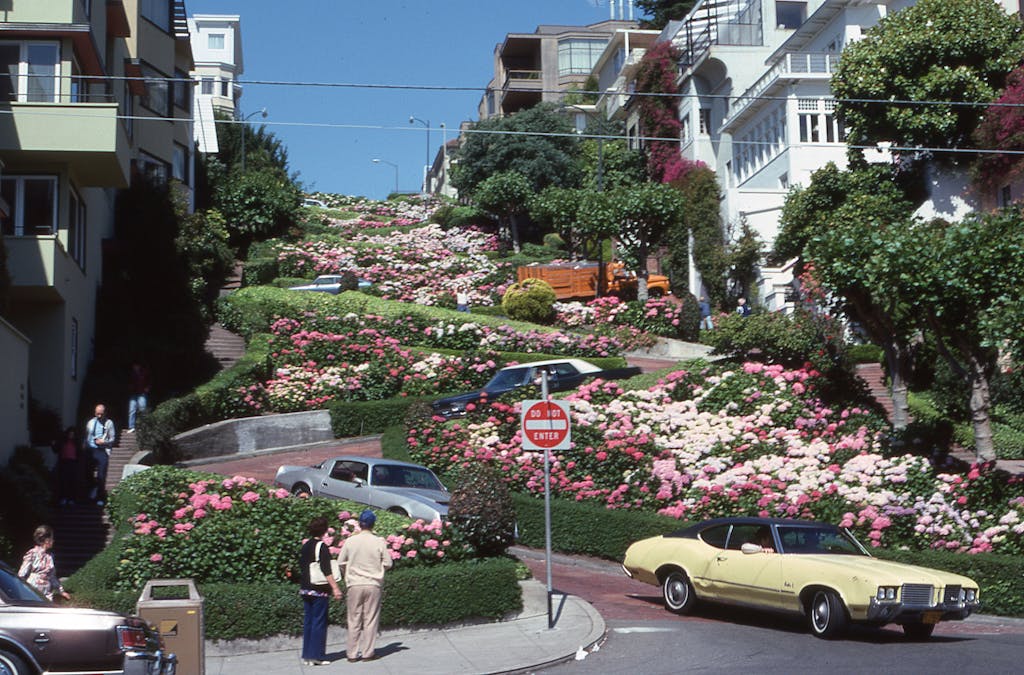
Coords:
363,418
248,311
487,589
587,528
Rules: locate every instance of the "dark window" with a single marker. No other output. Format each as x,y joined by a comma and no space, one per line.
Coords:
790,14
743,534
157,98
182,90
1005,196
716,536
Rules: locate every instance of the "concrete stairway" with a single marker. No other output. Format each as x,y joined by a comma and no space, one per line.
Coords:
225,346
874,377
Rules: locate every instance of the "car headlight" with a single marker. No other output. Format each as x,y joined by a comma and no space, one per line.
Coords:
886,593
968,595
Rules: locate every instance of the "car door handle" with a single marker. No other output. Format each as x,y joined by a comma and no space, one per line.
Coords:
721,558
42,639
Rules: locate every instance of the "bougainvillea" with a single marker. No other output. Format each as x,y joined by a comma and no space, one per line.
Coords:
659,115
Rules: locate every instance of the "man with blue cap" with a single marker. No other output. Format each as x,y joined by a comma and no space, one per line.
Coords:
365,557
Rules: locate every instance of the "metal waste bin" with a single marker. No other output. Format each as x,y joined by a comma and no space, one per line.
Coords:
179,622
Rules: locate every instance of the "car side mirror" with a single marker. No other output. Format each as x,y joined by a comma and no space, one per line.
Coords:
358,482
751,548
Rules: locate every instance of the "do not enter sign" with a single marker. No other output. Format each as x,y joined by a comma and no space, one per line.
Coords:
546,425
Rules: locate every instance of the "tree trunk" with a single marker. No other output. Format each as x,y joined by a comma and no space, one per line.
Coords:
897,364
513,226
641,275
984,448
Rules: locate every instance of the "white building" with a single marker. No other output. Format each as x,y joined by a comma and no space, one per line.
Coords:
756,106
217,51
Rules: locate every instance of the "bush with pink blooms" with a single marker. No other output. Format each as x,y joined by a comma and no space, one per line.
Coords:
746,440
185,524
657,316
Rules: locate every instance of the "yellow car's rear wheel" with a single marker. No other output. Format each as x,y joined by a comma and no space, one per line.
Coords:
677,591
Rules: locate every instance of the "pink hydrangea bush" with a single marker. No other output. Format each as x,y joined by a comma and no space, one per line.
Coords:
753,440
184,524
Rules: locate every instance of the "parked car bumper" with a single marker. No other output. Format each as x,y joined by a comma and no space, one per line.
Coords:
898,612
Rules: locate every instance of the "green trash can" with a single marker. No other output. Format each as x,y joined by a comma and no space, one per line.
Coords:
175,609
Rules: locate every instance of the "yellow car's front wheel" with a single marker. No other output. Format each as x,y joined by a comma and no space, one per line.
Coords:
827,614
678,592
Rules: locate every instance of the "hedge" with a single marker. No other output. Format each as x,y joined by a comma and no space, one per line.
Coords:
587,528
363,418
248,311
475,589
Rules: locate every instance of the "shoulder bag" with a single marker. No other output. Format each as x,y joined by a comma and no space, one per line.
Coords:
316,575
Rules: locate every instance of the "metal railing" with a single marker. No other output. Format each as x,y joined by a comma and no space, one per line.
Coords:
45,89
519,77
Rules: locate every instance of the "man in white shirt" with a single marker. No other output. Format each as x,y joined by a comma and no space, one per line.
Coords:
99,439
364,556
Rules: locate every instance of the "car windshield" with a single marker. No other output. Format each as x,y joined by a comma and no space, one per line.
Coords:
818,539
17,591
405,477
506,379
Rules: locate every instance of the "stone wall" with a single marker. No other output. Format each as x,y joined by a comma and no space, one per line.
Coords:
255,433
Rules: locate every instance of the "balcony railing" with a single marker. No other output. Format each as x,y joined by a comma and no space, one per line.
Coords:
814,65
45,89
521,78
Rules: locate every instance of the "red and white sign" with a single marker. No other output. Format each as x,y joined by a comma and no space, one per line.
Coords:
546,425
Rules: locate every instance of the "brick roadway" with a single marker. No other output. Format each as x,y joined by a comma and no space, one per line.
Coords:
263,467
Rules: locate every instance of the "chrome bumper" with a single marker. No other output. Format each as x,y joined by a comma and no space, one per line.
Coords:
898,612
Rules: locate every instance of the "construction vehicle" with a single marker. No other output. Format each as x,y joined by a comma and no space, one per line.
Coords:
578,280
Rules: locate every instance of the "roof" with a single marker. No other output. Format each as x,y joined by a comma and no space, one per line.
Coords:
691,531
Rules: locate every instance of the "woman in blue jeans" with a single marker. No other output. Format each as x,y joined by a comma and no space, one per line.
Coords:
316,597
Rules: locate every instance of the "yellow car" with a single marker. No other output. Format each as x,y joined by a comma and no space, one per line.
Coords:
802,567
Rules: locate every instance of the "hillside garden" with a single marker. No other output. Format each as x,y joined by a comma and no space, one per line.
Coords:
695,441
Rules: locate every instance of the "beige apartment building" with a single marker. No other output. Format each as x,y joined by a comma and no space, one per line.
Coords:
96,94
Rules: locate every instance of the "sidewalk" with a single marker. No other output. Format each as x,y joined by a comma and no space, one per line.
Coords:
519,644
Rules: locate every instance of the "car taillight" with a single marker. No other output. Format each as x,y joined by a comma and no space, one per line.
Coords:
131,637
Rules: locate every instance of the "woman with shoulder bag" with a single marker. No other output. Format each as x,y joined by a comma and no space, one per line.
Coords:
316,591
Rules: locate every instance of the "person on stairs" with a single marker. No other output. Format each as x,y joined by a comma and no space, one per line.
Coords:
138,384
99,439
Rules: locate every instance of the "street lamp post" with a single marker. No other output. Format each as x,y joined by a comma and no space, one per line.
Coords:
245,126
392,165
426,167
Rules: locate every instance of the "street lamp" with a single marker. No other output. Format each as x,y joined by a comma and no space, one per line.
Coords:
391,164
426,167
245,120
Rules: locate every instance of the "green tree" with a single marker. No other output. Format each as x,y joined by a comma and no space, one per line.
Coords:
557,209
203,242
742,258
646,213
660,12
505,195
538,143
702,219
964,280
934,50
262,148
597,219
258,205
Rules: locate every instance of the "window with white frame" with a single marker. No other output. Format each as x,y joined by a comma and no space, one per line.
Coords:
819,122
206,86
158,12
705,120
225,88
790,14
29,71
685,135
577,57
32,202
215,41
181,163
77,229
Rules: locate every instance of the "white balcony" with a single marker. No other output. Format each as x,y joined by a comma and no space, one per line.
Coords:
793,67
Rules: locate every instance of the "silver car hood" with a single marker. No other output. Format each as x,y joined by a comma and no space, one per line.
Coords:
429,497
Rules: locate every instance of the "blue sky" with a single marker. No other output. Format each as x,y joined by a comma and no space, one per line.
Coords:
395,42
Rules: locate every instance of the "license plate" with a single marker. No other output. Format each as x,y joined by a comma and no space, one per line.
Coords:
931,617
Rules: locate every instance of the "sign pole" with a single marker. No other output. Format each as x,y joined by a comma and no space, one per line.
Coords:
547,503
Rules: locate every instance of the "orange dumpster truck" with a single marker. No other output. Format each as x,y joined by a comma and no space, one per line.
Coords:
578,280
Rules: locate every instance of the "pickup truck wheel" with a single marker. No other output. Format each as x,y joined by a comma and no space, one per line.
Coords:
655,292
677,591
918,631
827,614
11,664
302,490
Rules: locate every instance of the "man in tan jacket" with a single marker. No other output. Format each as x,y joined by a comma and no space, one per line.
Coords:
364,556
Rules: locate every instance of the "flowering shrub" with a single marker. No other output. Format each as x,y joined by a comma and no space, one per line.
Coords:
657,316
202,526
750,441
423,265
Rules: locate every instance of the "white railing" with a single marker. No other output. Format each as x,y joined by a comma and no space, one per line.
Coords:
797,64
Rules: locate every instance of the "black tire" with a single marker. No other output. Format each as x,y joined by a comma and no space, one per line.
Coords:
12,664
918,631
655,293
827,615
677,591
399,510
302,490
